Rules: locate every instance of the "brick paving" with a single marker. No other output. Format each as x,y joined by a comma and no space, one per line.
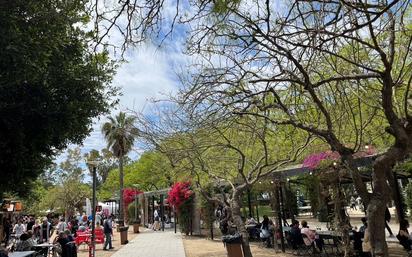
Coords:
153,244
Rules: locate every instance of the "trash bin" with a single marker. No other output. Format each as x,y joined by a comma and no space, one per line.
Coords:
233,244
123,235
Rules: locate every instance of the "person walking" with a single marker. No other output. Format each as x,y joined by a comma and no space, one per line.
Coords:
156,225
108,230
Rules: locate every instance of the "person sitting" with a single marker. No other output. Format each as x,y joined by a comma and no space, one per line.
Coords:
3,252
82,228
251,224
250,221
69,235
84,221
32,239
295,236
25,243
98,226
359,235
265,231
403,235
311,238
363,227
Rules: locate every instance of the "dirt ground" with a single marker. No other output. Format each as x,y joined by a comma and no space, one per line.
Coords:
83,249
202,247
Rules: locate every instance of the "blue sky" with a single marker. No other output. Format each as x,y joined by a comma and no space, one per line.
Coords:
148,73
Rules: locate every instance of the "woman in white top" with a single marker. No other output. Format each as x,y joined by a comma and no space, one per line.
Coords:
19,229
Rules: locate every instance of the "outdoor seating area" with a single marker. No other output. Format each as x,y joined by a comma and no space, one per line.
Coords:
25,235
197,128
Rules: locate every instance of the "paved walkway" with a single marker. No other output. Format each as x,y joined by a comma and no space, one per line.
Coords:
154,244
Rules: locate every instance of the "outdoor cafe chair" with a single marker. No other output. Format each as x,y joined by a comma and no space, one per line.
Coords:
302,248
331,244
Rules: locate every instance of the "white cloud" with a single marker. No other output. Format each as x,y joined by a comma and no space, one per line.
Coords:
149,73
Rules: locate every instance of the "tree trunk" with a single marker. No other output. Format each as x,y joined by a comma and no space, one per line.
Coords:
342,220
376,227
237,219
121,203
378,201
396,195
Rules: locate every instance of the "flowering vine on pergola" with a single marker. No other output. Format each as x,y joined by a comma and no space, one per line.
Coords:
315,161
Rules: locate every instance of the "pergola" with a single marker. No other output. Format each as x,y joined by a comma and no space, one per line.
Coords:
148,200
286,174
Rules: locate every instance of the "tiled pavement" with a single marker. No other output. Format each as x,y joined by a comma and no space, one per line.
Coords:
153,244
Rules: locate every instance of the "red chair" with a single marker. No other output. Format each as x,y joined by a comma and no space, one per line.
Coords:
82,237
99,236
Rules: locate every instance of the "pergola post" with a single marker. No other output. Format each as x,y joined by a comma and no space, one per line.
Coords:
398,199
175,219
153,209
249,203
162,212
257,209
278,192
282,205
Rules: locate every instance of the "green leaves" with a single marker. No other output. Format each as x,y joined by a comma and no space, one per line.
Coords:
120,133
223,6
51,85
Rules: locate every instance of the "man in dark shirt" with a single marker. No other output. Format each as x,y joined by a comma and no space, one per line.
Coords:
45,231
62,240
30,224
296,238
108,229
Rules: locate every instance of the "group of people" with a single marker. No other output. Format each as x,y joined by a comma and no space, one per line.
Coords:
304,235
27,232
267,231
39,231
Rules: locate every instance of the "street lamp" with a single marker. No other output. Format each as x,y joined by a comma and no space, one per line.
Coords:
93,165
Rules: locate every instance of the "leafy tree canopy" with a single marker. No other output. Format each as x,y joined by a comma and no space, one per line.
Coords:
152,171
51,85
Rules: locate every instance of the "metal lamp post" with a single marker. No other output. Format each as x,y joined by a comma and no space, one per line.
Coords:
92,248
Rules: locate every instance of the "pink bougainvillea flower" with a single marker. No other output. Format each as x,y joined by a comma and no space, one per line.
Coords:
313,161
179,193
129,195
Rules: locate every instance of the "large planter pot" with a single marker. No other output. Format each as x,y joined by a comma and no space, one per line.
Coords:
123,235
136,228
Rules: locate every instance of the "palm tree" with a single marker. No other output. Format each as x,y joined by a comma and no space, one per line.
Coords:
120,133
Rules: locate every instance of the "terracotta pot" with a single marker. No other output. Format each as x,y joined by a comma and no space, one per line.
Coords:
136,228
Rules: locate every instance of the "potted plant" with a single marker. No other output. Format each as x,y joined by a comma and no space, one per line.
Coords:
134,218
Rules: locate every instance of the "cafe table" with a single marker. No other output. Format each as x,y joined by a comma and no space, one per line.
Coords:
44,248
21,254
